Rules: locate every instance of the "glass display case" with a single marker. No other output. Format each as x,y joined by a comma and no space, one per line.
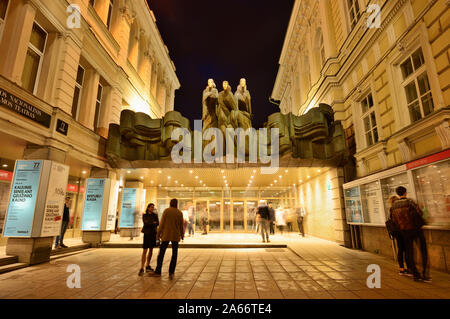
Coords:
353,205
433,192
372,203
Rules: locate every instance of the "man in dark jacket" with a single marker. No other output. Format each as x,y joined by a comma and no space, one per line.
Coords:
407,218
263,211
171,229
65,222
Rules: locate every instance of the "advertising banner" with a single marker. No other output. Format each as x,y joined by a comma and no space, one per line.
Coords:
93,204
22,199
54,206
128,211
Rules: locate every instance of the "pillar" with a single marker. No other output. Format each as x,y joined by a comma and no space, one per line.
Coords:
341,229
37,248
154,80
161,96
16,36
121,32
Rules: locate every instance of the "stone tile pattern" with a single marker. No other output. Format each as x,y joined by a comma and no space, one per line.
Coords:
310,269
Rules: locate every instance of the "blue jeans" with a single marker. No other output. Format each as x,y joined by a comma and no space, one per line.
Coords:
173,261
60,238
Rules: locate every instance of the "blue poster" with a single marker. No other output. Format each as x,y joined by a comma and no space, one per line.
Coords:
127,215
22,199
93,204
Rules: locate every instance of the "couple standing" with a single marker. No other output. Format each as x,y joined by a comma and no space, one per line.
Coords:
170,229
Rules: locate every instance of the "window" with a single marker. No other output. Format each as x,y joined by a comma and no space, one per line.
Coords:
369,120
3,9
98,104
33,60
416,85
354,12
110,13
77,93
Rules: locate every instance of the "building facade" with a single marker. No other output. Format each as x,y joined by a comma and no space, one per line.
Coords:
384,68
67,70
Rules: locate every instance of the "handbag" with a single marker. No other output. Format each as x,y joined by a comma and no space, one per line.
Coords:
391,227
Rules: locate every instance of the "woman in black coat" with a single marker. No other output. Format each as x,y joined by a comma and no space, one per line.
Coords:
151,222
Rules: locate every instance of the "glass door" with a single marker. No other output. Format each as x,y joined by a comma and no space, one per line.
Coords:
214,215
252,206
201,215
226,215
238,216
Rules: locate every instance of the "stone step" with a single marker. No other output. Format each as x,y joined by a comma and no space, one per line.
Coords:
68,254
211,245
11,267
70,249
7,260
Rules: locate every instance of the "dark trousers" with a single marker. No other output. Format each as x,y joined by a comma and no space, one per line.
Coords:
409,237
60,238
400,249
423,251
272,228
173,261
191,228
300,228
289,226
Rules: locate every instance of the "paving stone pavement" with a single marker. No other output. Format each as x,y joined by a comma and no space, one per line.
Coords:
308,269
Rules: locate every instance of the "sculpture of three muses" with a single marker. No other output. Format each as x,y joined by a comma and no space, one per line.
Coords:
225,110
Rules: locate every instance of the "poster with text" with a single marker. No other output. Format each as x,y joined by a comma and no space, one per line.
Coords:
54,206
22,199
93,204
128,211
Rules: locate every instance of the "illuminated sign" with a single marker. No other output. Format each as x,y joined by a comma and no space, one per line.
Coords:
127,215
22,199
93,204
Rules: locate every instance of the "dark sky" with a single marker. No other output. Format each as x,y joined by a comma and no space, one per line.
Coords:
224,40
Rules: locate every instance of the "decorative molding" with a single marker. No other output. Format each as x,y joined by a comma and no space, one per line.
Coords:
383,158
405,150
443,132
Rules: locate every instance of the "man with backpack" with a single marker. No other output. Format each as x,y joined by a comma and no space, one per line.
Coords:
407,218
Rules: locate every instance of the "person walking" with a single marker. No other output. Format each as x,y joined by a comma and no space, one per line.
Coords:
263,211
300,215
191,216
271,219
280,218
151,222
65,222
185,220
170,230
204,221
407,218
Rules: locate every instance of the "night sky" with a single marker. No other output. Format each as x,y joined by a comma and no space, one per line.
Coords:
224,40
